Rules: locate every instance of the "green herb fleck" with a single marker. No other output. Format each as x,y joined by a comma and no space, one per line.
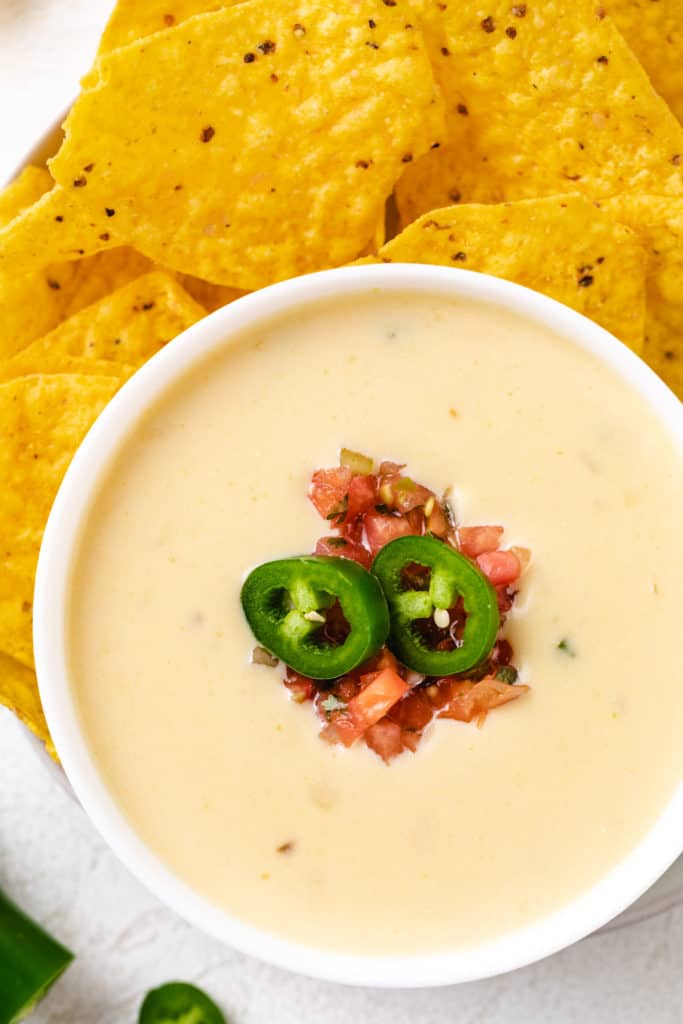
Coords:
566,647
337,542
338,513
507,674
332,703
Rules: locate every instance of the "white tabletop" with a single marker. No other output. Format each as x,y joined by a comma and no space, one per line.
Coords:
54,864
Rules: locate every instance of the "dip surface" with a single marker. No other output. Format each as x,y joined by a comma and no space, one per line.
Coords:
482,830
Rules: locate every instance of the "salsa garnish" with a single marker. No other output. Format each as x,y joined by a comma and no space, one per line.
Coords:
448,589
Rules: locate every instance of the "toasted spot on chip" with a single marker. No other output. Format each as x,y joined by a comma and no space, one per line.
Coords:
566,107
562,246
44,420
270,196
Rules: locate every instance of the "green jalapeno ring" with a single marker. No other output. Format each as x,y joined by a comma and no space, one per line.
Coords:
178,1002
284,602
451,576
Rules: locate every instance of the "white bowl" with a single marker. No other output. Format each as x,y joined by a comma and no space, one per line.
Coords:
612,894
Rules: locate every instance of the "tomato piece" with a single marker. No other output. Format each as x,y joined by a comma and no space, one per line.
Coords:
413,712
384,659
380,693
380,529
476,540
339,547
328,490
301,687
362,496
501,567
469,700
384,737
402,493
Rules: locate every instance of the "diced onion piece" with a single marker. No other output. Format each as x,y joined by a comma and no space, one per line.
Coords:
260,656
356,462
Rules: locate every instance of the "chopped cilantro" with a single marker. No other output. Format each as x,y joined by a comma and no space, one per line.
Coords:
507,674
332,703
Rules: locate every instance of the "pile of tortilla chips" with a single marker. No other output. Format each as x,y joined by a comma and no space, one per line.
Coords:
218,147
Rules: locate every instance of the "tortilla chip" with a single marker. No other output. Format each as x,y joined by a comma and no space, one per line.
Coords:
19,693
654,31
285,126
28,362
543,97
33,301
124,328
44,420
209,296
132,20
564,247
659,223
24,191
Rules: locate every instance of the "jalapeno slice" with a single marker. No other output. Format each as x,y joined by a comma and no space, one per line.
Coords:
177,1002
423,579
30,961
321,615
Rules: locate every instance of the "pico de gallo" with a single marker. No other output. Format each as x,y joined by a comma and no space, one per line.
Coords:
396,618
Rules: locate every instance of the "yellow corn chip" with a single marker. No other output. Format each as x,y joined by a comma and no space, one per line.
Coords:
543,97
44,419
25,363
659,223
562,246
126,327
133,19
56,228
285,125
209,296
33,301
654,31
19,693
24,191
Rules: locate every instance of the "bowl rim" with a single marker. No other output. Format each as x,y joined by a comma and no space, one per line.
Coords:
660,846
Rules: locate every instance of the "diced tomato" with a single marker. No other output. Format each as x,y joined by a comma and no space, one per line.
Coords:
328,489
380,529
410,740
413,712
385,659
301,687
501,567
382,691
476,540
469,700
345,549
384,737
362,496
402,493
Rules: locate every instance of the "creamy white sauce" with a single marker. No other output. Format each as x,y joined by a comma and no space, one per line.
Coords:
483,830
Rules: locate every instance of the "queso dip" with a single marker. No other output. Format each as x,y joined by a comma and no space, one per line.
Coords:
479,831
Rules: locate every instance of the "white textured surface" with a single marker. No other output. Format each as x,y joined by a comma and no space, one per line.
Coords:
55,865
